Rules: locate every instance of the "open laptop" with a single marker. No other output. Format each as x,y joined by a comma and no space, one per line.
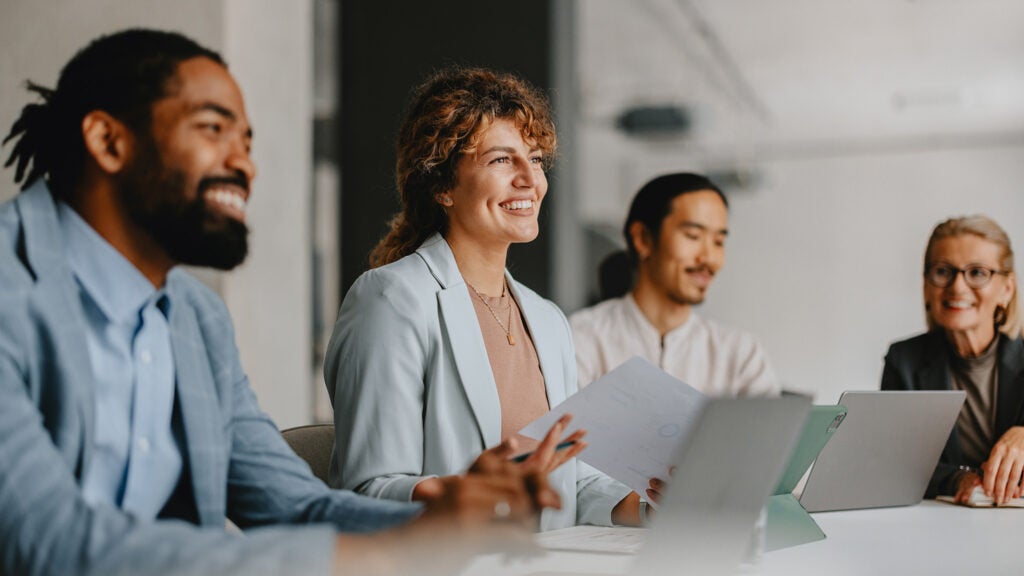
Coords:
885,452
788,524
724,474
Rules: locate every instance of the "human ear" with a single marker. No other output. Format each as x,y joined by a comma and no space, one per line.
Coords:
1011,287
107,140
642,241
444,199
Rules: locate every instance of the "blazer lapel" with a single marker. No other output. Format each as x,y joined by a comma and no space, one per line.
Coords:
198,401
1010,382
57,297
466,342
934,375
545,342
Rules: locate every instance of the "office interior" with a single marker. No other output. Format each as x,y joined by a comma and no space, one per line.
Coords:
842,132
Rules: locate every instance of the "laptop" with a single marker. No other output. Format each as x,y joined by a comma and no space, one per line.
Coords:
724,474
885,452
788,524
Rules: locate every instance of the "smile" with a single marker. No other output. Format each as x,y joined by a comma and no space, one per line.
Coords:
958,304
230,200
517,205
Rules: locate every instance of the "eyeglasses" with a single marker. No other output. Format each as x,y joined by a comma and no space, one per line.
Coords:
944,275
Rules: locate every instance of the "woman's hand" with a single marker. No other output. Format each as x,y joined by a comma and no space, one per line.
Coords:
546,458
968,481
1002,470
657,487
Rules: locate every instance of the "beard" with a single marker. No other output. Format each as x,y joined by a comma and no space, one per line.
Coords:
156,199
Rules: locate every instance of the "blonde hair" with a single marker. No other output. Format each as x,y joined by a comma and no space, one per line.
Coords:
447,117
985,228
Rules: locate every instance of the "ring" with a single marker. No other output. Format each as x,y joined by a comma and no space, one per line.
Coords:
502,510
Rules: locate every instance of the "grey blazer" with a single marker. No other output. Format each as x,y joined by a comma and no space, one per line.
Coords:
237,465
413,391
922,363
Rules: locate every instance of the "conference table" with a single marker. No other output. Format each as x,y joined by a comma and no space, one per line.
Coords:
930,538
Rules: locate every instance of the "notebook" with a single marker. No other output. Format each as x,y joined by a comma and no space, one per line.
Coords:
885,452
978,499
788,524
726,470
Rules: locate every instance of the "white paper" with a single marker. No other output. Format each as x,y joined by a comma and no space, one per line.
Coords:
636,418
614,540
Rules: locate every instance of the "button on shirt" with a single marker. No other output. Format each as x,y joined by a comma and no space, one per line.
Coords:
136,461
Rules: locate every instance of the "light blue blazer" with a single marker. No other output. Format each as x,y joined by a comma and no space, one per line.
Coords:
237,465
413,391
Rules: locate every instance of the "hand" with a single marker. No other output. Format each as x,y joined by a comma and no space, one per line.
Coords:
657,488
496,462
1002,470
492,508
968,481
546,458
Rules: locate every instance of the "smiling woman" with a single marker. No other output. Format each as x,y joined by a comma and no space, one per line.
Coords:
438,353
973,344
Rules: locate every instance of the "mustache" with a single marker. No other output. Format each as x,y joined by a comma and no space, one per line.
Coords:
234,180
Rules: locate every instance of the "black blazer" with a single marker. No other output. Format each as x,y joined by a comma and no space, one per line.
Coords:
922,363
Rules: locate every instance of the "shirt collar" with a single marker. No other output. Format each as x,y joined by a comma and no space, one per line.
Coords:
117,287
647,326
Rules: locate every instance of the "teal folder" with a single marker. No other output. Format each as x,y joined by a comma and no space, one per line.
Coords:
788,524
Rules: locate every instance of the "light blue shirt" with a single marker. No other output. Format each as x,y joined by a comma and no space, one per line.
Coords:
136,459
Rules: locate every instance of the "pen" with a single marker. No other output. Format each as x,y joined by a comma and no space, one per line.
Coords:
559,448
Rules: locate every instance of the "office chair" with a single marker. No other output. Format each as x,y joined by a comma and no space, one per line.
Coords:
313,443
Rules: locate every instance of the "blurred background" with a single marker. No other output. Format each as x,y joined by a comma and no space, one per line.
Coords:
842,133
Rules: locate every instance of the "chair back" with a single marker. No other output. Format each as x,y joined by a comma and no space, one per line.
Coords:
313,443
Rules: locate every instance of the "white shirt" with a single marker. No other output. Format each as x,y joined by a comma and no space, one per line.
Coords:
715,359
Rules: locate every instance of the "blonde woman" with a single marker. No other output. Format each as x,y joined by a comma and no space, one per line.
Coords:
973,344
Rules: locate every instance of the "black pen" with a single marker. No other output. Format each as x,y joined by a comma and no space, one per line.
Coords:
559,448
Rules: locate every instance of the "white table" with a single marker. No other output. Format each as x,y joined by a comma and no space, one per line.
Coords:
930,539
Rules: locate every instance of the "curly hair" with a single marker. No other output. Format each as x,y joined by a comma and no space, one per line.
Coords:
1008,321
446,119
122,74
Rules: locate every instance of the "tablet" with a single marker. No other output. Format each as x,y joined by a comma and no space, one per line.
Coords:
786,522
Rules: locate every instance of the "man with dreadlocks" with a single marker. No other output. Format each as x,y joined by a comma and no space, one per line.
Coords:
128,431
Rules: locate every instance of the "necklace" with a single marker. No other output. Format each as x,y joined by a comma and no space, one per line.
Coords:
507,329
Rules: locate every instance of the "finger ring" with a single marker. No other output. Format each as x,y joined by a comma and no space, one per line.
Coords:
502,509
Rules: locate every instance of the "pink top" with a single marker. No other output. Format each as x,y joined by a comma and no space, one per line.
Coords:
516,367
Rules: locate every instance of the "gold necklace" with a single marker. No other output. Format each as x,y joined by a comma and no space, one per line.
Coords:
508,329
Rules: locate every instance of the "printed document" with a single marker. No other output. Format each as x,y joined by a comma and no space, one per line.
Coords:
636,418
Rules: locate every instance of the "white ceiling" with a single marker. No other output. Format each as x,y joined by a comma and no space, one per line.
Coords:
800,76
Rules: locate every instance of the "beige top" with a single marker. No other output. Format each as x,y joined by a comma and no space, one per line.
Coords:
711,357
976,422
516,367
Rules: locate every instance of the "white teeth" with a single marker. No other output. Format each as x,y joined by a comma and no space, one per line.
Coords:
228,198
518,205
958,304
